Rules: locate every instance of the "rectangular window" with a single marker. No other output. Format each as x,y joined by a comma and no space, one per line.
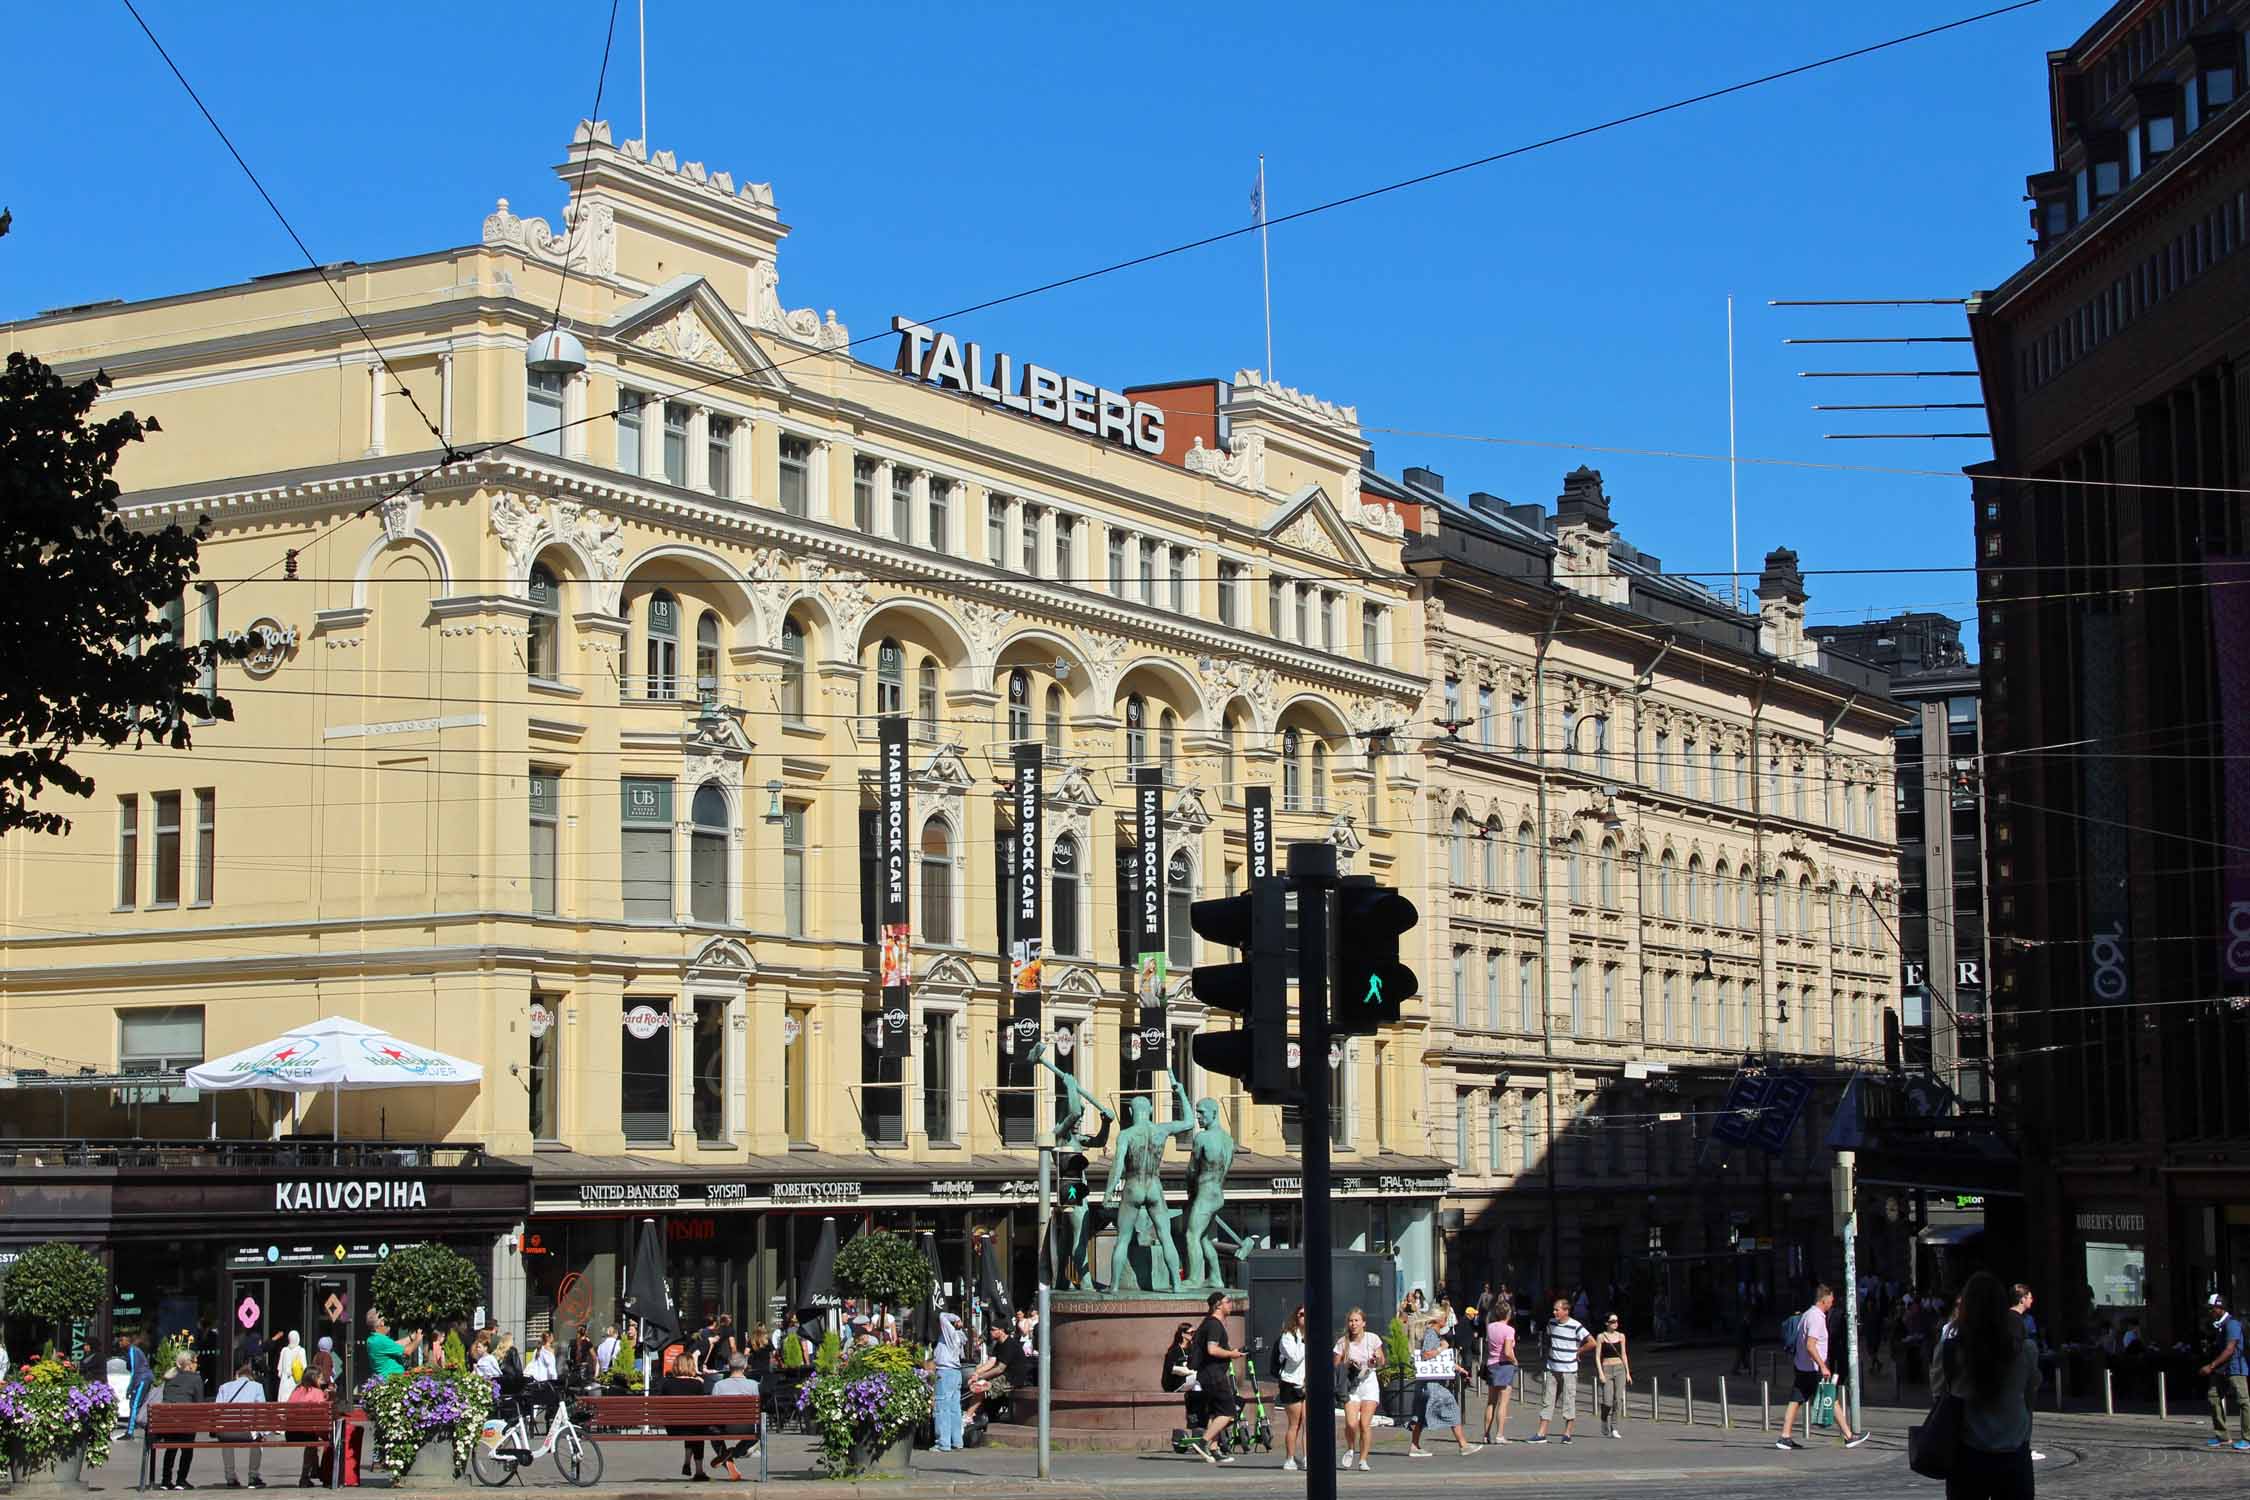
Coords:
207,611
1463,1157
996,531
1461,988
1066,548
1519,720
719,451
1300,611
1179,581
1230,593
543,411
644,1093
796,1047
675,442
1488,729
709,1101
128,851
1148,571
1331,622
1577,997
796,475
159,1039
1453,700
1609,1000
1662,771
1527,994
164,862
544,1082
645,851
1117,562
629,430
1492,990
1274,621
545,821
1371,634
940,515
902,504
937,1076
206,845
1031,541
793,869
863,495
882,1090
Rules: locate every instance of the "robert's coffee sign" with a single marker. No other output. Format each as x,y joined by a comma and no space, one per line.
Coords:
1034,390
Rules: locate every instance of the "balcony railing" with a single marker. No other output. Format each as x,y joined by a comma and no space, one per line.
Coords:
299,1153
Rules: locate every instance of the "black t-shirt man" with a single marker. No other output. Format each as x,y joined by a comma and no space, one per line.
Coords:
1214,1369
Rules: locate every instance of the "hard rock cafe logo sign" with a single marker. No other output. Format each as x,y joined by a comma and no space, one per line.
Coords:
271,644
643,1022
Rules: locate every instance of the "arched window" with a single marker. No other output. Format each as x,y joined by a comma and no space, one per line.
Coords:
1318,788
1460,848
663,631
1062,920
1019,707
792,670
1527,863
925,697
1179,899
1054,721
1292,771
542,651
1136,730
707,855
707,655
1576,867
1609,873
937,881
1168,744
1694,891
1492,854
890,678
1227,733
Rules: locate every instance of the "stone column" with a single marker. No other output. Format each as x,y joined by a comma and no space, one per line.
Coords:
820,501
375,410
574,416
652,438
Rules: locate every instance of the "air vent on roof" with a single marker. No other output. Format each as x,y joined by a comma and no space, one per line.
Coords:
79,307
1534,516
1488,504
332,266
1428,479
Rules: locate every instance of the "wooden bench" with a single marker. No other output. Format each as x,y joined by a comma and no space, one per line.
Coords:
234,1424
616,1418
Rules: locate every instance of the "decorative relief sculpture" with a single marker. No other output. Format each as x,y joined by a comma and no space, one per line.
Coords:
685,337
802,325
588,248
1242,463
525,524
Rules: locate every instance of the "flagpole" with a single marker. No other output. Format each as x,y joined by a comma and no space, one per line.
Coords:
1734,522
1265,262
643,10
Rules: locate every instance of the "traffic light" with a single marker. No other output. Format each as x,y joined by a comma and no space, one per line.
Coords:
1256,988
1370,984
1073,1179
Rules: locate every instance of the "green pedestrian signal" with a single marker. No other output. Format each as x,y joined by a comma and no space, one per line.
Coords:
1370,919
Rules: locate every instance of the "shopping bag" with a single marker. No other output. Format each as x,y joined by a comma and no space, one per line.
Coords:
1824,1405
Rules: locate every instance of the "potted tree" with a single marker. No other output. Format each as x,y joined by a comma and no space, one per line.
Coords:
867,1403
420,1410
50,1415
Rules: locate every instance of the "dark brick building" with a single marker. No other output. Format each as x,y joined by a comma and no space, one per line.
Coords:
2108,529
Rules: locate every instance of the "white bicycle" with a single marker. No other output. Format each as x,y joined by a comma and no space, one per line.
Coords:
503,1449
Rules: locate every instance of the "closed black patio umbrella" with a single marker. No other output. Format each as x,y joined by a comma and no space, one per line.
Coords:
992,1288
647,1295
816,1285
925,1326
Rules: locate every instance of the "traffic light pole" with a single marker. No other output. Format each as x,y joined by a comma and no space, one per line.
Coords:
1043,1108
1312,871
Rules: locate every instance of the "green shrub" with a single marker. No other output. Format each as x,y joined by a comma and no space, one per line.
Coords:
456,1357
884,1359
884,1268
624,1366
422,1286
831,1349
1397,1352
53,1284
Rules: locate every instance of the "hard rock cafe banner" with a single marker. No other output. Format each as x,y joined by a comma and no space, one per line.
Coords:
2230,656
1027,911
1148,925
892,867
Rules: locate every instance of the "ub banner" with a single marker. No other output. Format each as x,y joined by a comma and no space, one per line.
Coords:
1026,942
892,865
1148,926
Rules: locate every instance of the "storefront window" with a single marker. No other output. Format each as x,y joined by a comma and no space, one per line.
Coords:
710,1071
882,1090
645,1072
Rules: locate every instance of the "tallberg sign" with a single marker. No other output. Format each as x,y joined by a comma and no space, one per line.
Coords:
1065,400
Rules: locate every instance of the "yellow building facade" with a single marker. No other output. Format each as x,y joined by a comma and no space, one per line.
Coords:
560,743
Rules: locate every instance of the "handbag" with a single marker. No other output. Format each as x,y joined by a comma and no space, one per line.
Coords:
1824,1405
1931,1446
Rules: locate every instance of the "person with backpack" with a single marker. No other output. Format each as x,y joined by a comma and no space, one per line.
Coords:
2229,1372
1289,1377
1806,1337
1567,1341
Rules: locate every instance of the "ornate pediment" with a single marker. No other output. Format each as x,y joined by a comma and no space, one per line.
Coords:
1189,811
949,972
686,336
1074,789
723,957
685,319
944,771
1309,522
1344,834
1077,983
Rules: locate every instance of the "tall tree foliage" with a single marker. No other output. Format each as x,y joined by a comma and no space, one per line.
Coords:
90,656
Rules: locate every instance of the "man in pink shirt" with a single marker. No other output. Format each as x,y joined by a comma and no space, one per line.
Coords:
1810,1359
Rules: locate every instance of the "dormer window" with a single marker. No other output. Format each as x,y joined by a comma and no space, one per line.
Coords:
2218,62
2158,129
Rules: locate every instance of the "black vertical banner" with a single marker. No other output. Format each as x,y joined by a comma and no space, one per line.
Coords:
895,966
1148,917
1027,910
1257,830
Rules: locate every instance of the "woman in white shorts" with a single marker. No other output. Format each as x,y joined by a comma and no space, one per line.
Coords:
1359,1375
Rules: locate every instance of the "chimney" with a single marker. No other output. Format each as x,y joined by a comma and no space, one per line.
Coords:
1583,534
1426,479
1781,610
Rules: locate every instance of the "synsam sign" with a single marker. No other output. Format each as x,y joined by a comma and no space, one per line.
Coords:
1065,400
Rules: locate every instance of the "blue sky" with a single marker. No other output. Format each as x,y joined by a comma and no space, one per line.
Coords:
932,156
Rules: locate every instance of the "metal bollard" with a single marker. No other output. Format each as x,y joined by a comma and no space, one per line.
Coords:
2163,1398
1726,1412
1894,1383
2058,1387
2109,1393
1655,1398
1688,1414
1765,1406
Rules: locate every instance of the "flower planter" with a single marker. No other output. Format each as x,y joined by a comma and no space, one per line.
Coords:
432,1469
894,1458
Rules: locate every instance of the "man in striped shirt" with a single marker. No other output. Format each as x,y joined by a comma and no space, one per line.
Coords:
1567,1342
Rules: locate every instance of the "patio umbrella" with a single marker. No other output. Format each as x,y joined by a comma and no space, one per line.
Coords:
647,1296
816,1283
926,1316
992,1287
332,1055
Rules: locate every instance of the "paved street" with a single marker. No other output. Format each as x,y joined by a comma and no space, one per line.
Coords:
2085,1457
